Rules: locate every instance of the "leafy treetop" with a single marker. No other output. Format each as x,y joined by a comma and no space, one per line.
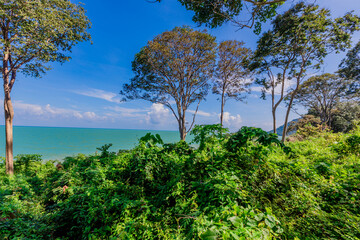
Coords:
322,93
35,32
214,13
350,68
174,69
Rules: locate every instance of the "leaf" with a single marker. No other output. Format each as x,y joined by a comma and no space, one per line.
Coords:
259,217
269,223
209,235
234,235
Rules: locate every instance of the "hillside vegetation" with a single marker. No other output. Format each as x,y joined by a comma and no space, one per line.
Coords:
245,185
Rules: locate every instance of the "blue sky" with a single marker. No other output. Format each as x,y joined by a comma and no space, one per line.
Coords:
84,91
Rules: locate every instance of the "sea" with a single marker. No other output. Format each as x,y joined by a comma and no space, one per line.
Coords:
56,143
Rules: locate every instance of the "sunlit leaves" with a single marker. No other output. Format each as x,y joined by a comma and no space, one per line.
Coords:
174,69
36,32
242,13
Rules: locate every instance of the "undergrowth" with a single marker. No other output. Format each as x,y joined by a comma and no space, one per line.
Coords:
246,185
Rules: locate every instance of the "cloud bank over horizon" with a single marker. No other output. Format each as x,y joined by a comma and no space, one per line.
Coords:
154,117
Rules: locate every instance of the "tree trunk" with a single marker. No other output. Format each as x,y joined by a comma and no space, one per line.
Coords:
182,129
274,120
9,115
274,106
287,116
222,109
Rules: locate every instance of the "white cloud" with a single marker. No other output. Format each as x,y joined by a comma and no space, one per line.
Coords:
128,112
28,108
158,114
63,112
201,113
101,94
90,115
48,111
232,122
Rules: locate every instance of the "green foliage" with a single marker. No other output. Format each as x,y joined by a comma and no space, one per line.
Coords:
345,116
38,32
215,13
104,150
151,139
306,127
321,94
208,135
24,162
349,69
235,186
241,139
350,145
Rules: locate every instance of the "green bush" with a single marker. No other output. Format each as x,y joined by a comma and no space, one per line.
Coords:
246,185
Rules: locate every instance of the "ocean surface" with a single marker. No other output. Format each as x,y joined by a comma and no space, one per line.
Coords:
55,143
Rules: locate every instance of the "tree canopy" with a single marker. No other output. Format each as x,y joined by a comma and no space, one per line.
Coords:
232,74
242,13
35,32
350,68
174,69
322,93
345,116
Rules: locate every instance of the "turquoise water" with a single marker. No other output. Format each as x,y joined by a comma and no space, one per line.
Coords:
56,143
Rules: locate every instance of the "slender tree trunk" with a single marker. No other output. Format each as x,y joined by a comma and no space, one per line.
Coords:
274,106
8,110
274,120
222,109
9,115
292,99
273,110
287,116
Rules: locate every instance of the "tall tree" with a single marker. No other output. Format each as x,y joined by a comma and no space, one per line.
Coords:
174,69
33,33
350,69
242,13
232,75
322,93
300,39
271,66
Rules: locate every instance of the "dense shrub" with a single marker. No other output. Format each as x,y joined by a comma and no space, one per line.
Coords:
245,185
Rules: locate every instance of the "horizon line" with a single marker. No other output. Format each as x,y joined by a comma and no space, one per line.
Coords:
2,125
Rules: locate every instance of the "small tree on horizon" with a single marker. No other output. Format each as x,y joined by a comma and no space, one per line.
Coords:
33,33
174,69
232,74
322,93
